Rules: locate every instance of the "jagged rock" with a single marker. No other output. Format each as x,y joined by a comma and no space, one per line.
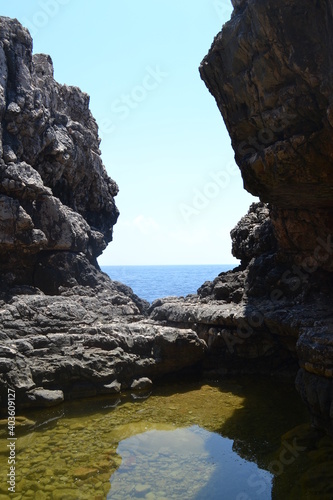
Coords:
253,235
83,344
64,326
55,195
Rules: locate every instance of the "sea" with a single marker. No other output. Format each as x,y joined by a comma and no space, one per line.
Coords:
154,282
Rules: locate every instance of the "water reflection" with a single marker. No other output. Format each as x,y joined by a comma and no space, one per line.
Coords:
247,437
190,463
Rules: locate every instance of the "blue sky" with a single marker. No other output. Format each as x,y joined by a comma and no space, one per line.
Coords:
163,139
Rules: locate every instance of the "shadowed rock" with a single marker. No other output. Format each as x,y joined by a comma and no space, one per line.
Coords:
270,71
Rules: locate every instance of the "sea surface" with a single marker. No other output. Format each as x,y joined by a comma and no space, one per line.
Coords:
155,282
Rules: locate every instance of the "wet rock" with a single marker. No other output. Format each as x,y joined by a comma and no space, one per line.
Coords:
84,472
113,388
142,489
142,384
44,398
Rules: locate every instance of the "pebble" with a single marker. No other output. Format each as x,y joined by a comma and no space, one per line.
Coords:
142,489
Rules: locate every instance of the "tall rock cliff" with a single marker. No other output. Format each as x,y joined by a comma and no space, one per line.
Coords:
270,71
57,208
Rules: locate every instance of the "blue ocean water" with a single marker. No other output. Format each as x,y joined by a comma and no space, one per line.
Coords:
154,282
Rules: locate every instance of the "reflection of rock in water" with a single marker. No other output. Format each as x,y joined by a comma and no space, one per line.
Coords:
306,471
185,463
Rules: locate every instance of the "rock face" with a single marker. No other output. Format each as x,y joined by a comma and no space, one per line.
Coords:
66,330
270,71
57,206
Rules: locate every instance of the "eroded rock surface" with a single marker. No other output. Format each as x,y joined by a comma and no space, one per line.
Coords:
269,70
83,343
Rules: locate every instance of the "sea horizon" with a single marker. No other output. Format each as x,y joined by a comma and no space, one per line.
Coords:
236,264
154,281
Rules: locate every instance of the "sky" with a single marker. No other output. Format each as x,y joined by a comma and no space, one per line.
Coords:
163,139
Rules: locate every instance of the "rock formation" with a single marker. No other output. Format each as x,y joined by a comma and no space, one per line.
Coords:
66,329
57,202
270,71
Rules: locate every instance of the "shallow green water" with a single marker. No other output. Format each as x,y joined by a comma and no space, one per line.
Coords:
236,439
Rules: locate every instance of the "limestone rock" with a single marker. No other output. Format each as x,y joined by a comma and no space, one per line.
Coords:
45,398
82,345
254,234
142,384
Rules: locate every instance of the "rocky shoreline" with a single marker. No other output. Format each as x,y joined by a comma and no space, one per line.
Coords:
67,331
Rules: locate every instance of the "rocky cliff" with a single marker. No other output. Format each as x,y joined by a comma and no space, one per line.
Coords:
56,200
270,71
66,329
